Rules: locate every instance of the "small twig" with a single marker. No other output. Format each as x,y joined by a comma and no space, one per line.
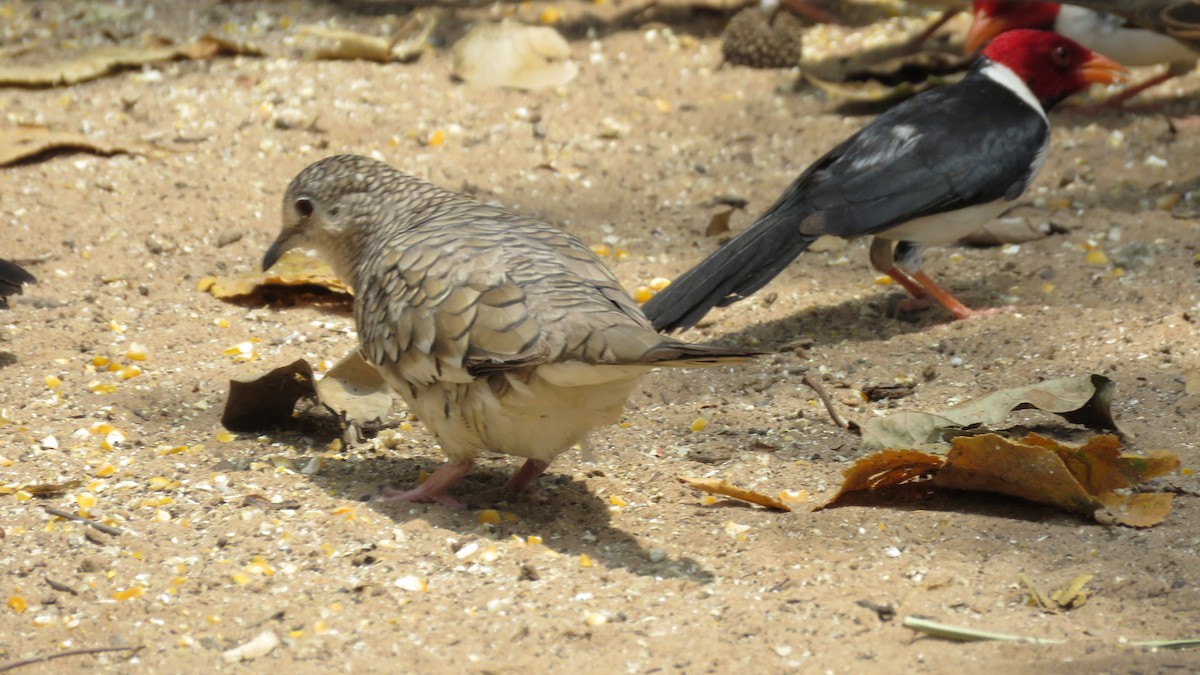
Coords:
106,529
78,652
948,632
816,386
60,587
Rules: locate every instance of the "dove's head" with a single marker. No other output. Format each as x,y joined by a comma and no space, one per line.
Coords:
333,207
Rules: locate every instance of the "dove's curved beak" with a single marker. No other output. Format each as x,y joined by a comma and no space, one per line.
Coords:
281,245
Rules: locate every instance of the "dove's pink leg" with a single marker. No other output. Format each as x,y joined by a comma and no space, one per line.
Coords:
529,471
435,487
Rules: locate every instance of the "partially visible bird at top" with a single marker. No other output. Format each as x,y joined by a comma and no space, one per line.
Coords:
1179,19
500,332
1107,34
929,171
12,278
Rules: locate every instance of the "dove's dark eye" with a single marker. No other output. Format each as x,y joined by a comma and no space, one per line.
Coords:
304,207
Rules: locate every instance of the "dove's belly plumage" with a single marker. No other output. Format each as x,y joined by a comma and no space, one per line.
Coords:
519,413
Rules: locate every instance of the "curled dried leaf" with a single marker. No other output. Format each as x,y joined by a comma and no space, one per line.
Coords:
720,487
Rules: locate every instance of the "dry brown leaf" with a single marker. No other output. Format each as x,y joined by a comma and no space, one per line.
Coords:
1080,400
1074,594
1084,479
26,142
891,80
298,271
1071,596
1135,510
717,486
509,54
1092,479
267,401
882,470
991,463
348,45
405,44
354,390
105,60
52,489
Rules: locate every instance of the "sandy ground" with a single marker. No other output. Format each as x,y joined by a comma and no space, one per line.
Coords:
222,541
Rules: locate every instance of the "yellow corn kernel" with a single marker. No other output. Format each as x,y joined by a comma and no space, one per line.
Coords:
616,501
533,539
112,439
601,250
102,388
585,560
85,500
1096,257
17,604
136,352
659,283
642,294
129,593
162,483
258,565
240,578
225,437
698,424
52,382
488,517
550,16
884,280
130,372
437,138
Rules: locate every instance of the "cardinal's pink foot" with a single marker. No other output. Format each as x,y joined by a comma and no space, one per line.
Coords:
529,471
435,488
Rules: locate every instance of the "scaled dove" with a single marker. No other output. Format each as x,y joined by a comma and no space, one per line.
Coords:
499,331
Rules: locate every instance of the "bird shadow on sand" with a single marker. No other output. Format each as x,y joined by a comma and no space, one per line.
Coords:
868,319
564,512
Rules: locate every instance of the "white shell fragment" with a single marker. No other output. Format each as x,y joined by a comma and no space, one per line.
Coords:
259,646
513,55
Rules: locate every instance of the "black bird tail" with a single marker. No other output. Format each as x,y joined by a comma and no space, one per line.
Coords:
732,272
11,278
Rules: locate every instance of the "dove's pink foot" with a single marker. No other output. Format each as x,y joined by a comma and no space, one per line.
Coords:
529,471
435,488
